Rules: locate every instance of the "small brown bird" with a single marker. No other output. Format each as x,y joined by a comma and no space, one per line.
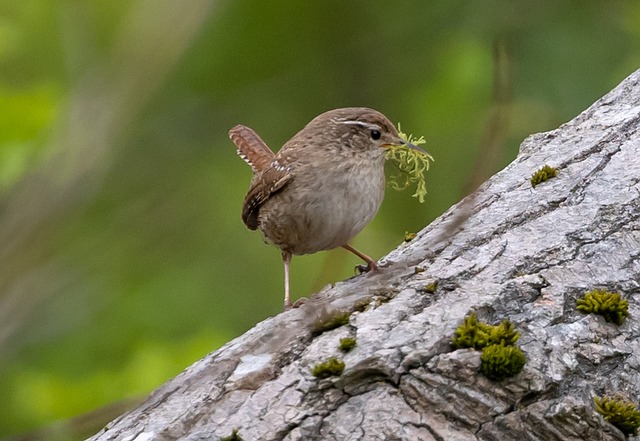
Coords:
322,187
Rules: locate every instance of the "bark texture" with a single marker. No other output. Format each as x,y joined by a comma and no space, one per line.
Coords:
510,251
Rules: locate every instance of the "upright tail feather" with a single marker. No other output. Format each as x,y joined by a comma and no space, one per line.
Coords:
251,148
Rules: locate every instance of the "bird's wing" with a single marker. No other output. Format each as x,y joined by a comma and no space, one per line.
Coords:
271,180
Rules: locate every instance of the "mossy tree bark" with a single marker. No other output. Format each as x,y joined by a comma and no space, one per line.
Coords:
509,251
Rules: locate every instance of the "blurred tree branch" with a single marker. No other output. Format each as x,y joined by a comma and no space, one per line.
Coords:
493,143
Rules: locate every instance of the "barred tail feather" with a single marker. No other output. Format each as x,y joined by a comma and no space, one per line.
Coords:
251,148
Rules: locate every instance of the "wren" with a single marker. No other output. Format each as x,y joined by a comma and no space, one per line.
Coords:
322,187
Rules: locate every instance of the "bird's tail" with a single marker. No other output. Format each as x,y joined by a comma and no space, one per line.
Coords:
251,148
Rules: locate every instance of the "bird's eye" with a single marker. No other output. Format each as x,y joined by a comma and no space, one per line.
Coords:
375,134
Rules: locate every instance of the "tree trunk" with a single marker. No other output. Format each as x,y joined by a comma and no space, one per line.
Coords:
509,251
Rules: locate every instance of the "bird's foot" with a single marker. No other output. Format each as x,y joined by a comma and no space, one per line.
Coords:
369,267
298,303
301,301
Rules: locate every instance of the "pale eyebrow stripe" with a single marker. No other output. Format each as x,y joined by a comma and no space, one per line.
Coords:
359,123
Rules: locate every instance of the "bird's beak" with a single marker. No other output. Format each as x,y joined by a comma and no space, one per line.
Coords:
414,147
402,142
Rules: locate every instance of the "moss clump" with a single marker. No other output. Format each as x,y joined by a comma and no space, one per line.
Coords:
546,172
477,335
408,237
235,436
333,321
431,287
499,361
620,412
413,164
346,344
330,368
609,305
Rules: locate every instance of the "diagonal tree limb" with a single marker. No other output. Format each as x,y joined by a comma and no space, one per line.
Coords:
522,254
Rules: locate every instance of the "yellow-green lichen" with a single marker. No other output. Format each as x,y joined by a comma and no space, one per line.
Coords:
500,361
330,322
544,173
408,237
431,287
235,436
347,343
609,305
412,164
620,412
330,368
477,335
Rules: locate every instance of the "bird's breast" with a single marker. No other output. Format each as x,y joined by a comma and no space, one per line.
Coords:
324,207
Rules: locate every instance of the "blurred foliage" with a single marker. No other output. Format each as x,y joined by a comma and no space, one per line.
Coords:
123,257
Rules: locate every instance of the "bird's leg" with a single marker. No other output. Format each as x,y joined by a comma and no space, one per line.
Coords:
371,264
286,258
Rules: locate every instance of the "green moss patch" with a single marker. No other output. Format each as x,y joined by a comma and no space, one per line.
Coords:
500,357
408,237
620,412
477,335
431,288
347,343
543,174
333,321
609,305
330,368
499,361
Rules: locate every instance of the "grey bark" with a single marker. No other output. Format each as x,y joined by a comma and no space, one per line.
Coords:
507,252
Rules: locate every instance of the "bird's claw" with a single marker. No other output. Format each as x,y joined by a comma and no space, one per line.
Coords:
369,267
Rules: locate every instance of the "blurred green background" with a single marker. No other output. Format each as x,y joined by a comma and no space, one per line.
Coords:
123,258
